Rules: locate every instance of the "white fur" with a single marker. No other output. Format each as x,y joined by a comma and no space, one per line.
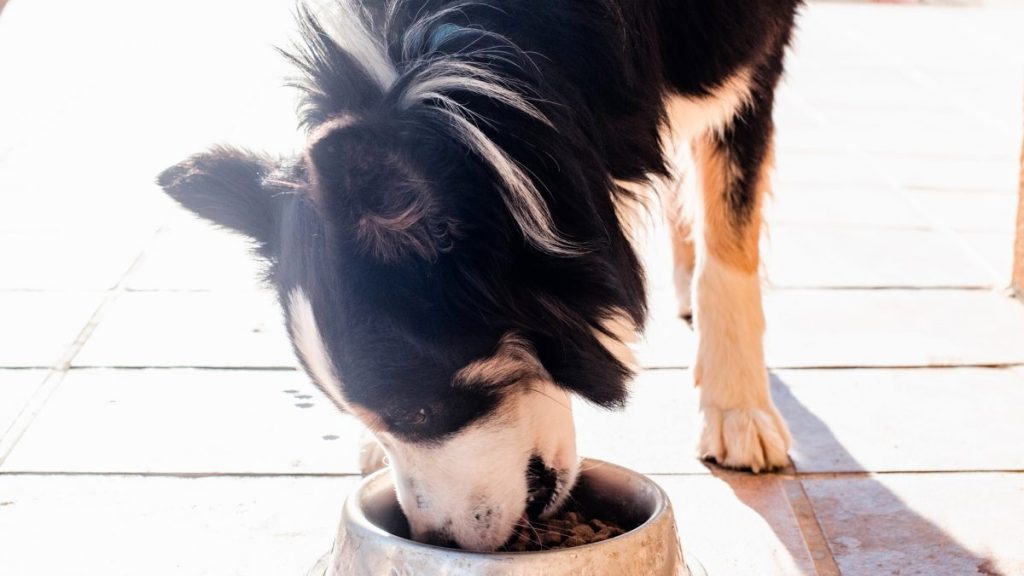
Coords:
519,193
432,86
346,25
473,486
740,425
309,344
689,116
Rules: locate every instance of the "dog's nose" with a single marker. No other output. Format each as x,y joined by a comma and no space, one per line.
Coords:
541,482
438,538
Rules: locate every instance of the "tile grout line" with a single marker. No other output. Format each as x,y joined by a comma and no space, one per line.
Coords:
60,369
810,528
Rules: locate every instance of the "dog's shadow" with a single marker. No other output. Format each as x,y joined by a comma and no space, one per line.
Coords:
857,525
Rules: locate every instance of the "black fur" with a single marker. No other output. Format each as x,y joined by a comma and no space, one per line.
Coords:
403,306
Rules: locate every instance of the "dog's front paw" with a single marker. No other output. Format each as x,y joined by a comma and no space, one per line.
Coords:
747,438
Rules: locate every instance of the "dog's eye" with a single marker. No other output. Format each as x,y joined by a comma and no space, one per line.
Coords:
420,417
409,418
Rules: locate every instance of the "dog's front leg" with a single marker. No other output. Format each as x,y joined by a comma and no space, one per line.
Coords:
741,427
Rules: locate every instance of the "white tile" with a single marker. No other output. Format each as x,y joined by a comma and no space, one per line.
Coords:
68,260
129,525
903,420
823,256
656,433
198,258
16,388
169,329
827,328
188,421
37,328
736,523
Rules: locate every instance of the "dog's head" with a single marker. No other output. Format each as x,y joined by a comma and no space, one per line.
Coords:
428,287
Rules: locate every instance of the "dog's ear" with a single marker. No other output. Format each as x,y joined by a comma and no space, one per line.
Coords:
369,192
229,187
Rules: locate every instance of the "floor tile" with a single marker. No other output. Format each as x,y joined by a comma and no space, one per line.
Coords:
197,258
923,525
210,329
669,342
994,250
839,205
16,387
958,174
823,169
194,421
903,420
866,87
167,526
656,433
823,256
736,523
66,261
38,327
862,328
967,211
826,328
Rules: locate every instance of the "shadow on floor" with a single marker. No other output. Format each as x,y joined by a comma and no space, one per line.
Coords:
867,528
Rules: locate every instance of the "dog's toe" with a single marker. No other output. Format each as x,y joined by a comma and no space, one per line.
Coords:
754,439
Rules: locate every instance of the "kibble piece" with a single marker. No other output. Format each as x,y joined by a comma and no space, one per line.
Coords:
566,530
584,532
574,541
550,538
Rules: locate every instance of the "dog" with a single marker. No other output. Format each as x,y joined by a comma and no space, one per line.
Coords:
453,250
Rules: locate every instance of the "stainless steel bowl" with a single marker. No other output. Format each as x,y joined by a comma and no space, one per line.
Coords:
373,537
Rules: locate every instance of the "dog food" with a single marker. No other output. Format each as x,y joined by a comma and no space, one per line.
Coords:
565,530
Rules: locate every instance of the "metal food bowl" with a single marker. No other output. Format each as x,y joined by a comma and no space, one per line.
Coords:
373,539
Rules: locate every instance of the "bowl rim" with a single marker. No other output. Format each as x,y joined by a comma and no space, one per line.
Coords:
355,518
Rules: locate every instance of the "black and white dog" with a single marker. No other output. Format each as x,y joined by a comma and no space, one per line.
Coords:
453,249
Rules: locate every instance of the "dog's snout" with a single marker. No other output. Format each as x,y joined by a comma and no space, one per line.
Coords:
438,538
541,483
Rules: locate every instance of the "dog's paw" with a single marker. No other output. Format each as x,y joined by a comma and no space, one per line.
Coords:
753,439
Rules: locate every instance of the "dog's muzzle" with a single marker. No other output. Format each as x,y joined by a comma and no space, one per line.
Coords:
541,484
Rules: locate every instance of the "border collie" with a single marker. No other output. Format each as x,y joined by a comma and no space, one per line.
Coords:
453,247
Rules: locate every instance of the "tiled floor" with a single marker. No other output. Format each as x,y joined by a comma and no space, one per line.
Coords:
152,421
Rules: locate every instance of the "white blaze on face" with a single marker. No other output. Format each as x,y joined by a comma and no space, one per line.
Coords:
309,344
472,486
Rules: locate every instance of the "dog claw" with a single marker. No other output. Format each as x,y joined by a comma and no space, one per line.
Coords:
754,439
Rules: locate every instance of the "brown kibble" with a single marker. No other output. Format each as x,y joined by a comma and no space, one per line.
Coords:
584,532
574,541
566,530
551,538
